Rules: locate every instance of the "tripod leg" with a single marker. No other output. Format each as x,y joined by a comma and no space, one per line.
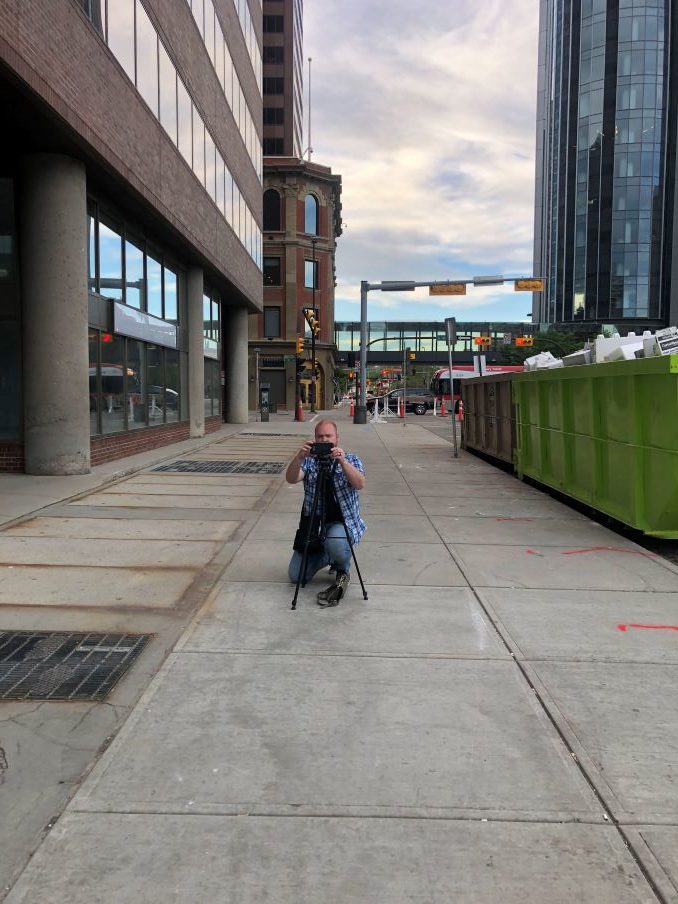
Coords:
350,543
301,577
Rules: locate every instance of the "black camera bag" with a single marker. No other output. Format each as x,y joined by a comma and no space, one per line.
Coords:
316,541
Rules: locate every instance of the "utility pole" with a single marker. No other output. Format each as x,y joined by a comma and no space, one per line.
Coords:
314,385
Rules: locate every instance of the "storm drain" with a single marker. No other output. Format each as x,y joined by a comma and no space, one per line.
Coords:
224,467
40,665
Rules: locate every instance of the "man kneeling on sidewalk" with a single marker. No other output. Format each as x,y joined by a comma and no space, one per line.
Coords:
348,477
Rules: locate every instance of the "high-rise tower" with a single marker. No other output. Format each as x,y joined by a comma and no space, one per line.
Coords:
606,147
283,78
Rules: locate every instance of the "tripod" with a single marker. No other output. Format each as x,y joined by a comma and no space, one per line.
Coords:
325,472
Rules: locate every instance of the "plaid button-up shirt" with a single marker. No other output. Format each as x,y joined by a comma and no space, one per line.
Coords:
347,496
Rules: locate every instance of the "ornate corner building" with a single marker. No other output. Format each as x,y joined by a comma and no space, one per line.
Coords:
302,220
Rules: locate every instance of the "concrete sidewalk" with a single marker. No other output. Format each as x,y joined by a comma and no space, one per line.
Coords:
479,730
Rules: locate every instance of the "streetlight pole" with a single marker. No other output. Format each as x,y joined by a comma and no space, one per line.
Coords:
314,385
256,381
360,414
451,330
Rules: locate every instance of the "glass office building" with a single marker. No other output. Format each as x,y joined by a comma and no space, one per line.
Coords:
130,225
605,178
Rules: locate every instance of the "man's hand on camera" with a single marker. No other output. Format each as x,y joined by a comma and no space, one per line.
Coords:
352,474
305,451
338,454
294,473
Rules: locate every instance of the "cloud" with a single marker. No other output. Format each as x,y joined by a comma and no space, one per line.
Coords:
428,113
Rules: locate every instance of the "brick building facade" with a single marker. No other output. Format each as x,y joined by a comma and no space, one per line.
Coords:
302,221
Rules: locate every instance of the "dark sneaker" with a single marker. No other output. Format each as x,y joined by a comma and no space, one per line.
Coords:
335,592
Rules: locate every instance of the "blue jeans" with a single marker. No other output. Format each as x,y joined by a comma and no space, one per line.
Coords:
337,552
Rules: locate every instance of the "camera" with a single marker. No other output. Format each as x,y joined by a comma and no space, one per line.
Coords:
321,450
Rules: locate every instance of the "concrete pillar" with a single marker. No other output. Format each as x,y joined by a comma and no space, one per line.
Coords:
196,353
53,251
235,364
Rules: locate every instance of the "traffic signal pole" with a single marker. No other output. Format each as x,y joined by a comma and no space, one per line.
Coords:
532,284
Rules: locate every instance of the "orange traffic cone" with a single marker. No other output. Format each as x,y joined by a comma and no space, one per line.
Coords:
401,407
442,408
351,409
300,411
461,410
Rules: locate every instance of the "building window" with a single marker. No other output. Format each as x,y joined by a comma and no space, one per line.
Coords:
311,274
271,271
274,116
273,147
274,24
274,54
272,323
92,9
274,86
311,215
271,210
210,317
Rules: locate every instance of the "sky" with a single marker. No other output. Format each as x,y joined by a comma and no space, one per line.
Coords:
427,111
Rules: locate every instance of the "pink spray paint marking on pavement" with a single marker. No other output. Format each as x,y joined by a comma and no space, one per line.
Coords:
625,627
630,552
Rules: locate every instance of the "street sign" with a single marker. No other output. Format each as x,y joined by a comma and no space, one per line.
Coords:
508,338
453,288
451,328
528,285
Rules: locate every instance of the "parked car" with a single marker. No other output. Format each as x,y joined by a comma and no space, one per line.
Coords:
418,400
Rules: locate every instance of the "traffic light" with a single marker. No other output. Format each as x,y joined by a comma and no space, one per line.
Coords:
483,340
523,341
300,345
312,320
350,375
301,366
411,356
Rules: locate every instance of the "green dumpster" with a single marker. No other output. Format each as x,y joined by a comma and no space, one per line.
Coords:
607,435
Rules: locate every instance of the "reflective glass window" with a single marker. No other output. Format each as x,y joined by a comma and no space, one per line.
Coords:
207,316
121,33
91,253
272,271
209,29
271,322
135,401
110,259
112,352
155,383
198,146
172,385
311,274
311,215
210,166
168,94
93,347
147,59
171,306
134,275
228,196
154,277
185,128
220,177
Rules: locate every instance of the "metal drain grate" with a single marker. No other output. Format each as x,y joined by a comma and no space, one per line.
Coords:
40,665
224,467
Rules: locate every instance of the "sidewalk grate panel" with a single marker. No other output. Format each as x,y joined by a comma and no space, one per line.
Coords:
224,467
40,665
